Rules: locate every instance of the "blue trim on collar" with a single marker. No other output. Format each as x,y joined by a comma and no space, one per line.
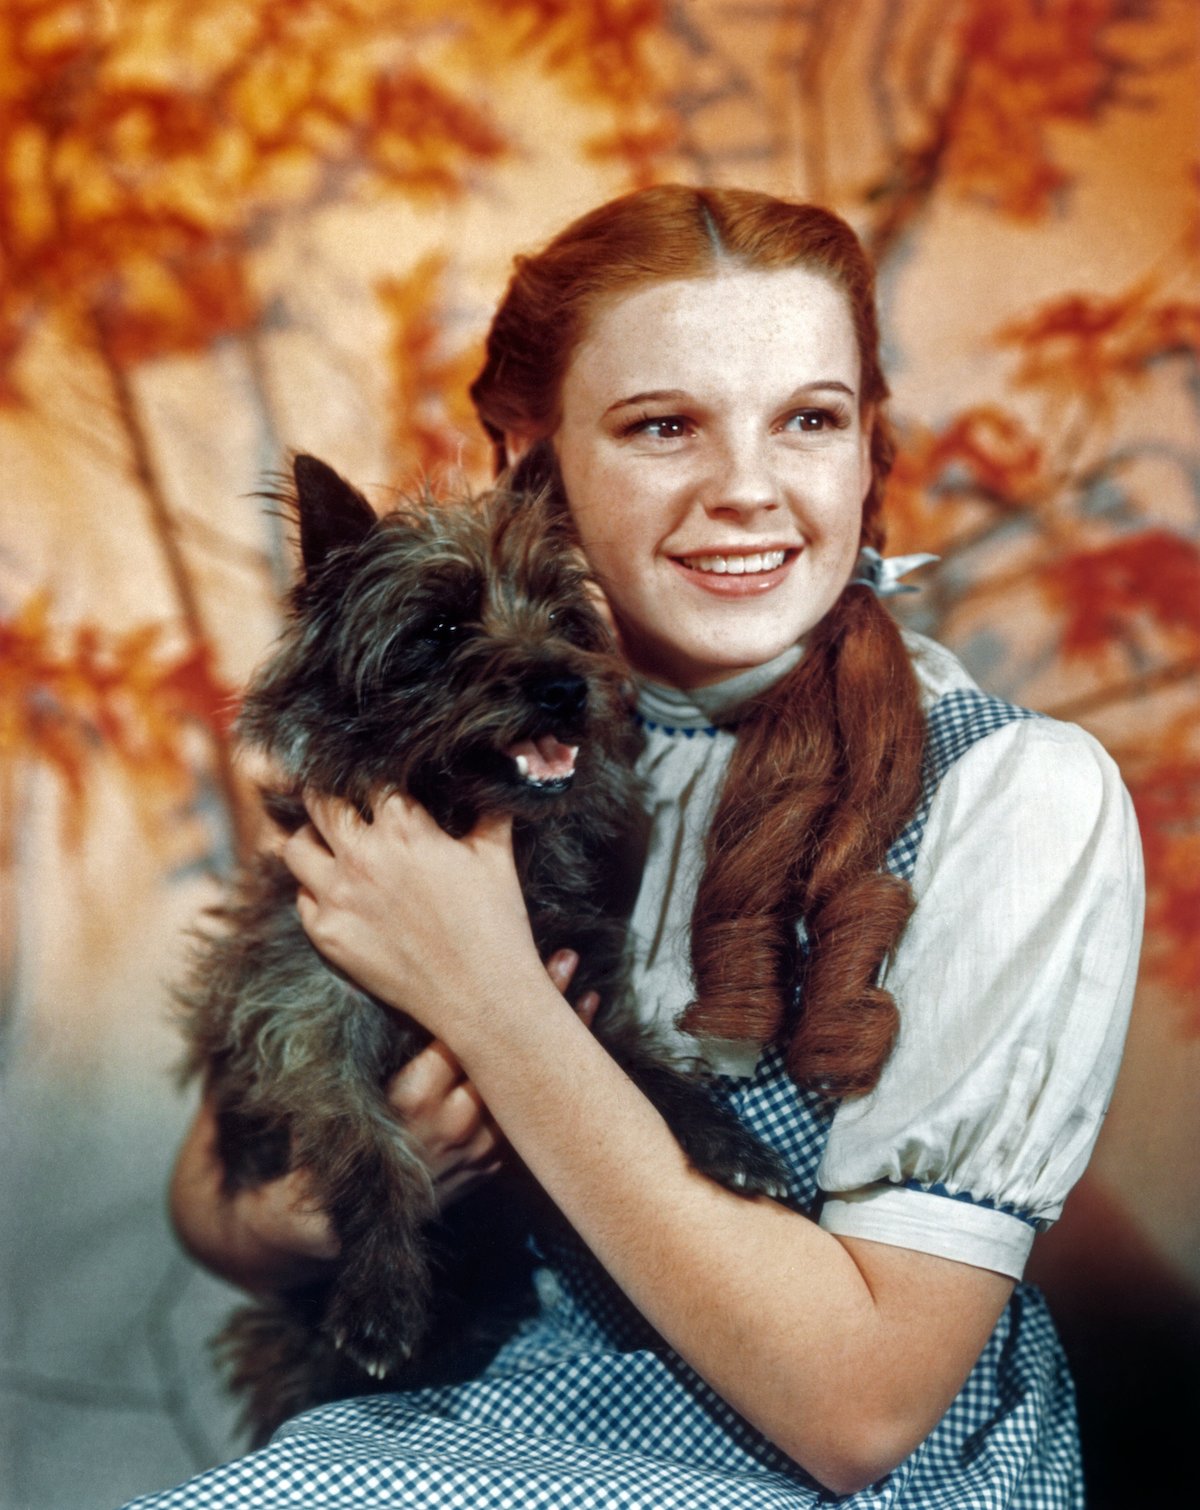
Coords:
646,723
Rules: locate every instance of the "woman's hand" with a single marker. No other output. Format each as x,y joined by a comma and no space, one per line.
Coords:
424,922
270,1237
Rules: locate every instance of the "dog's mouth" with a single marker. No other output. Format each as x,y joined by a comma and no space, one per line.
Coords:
545,763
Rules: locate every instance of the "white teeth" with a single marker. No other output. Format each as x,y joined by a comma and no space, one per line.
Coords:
739,565
544,762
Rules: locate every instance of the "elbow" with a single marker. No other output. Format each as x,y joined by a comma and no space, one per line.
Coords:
854,1453
850,1474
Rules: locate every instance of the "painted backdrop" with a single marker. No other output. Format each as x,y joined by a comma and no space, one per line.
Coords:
233,227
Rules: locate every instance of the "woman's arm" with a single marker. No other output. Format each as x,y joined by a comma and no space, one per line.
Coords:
844,1352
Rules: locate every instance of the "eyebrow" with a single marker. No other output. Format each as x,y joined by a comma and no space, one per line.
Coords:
653,396
680,395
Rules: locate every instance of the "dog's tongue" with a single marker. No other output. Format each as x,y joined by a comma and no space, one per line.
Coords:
544,759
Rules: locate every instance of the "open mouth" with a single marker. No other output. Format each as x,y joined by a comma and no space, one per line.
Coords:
735,565
545,763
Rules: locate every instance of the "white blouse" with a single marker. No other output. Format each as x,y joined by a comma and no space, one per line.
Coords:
1014,977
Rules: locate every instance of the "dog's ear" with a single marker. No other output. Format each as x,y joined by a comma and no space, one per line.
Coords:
332,513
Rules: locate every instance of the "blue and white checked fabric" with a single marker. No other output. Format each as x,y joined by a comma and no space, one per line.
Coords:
586,1409
955,722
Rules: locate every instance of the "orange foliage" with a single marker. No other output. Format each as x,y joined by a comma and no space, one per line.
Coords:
609,52
641,149
983,456
604,45
1025,65
1167,798
1083,346
145,147
67,697
1110,597
433,425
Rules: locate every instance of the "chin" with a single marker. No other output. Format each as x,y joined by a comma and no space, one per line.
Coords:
689,673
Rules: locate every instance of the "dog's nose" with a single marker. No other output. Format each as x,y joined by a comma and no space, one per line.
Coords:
562,696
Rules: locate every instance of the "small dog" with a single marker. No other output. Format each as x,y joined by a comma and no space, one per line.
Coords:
452,651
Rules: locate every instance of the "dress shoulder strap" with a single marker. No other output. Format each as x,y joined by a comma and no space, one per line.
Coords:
958,720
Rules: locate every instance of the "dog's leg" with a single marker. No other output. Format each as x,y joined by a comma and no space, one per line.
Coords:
297,1059
372,1313
371,1180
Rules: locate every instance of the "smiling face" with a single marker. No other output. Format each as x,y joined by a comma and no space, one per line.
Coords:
715,460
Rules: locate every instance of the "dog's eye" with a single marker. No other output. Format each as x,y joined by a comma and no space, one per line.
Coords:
442,631
578,627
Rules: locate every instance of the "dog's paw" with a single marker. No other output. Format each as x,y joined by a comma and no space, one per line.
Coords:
716,1143
736,1159
752,1182
368,1348
374,1355
378,1339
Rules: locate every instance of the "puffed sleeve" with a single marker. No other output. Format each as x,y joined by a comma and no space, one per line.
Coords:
1014,981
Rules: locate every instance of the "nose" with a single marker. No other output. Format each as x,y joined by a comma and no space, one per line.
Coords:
743,482
563,695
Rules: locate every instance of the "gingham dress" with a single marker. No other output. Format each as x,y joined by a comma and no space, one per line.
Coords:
585,1409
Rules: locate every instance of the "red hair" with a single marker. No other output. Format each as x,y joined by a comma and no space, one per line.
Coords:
826,769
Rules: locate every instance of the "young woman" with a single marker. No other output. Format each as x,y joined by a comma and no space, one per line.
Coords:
697,372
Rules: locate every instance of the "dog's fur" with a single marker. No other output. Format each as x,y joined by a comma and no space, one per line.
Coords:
425,650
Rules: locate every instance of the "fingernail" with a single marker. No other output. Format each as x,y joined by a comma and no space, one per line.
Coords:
563,964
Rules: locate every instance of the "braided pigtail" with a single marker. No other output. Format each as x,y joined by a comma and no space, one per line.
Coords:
826,772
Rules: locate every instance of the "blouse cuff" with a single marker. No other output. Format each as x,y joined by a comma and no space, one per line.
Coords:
945,1225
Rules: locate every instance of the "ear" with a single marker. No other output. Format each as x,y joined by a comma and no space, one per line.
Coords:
332,513
866,440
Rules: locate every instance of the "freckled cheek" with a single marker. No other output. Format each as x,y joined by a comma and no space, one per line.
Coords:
604,533
835,508
620,521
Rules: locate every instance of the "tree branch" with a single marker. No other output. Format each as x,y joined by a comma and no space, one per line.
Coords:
166,533
1140,685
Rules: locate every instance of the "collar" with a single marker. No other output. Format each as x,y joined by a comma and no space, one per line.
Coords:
714,706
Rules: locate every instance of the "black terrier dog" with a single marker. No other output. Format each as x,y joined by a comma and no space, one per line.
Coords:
451,651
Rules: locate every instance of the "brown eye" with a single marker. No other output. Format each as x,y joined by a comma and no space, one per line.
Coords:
814,421
670,428
659,427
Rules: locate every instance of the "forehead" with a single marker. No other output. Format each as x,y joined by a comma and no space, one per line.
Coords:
786,324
